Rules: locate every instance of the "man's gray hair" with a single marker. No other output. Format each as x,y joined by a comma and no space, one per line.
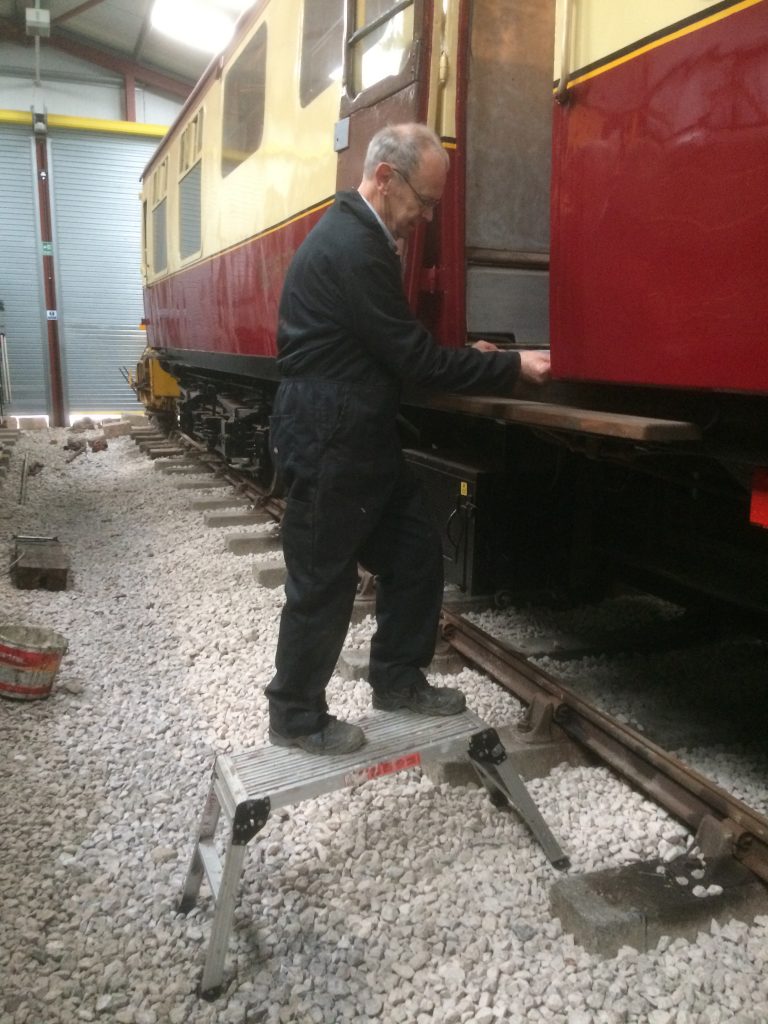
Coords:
401,145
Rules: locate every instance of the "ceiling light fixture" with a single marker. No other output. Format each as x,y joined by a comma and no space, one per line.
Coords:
200,24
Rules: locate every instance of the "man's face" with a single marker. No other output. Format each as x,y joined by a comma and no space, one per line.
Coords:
411,198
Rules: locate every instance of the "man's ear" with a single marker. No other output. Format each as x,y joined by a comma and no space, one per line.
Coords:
382,176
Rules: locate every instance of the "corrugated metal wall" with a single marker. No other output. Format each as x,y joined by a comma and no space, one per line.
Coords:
21,285
97,217
96,214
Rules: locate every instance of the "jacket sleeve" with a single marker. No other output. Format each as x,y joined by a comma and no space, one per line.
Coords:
385,326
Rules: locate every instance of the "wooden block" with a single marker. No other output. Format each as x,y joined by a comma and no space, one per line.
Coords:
118,429
249,544
33,422
163,451
270,576
235,501
217,519
202,485
40,563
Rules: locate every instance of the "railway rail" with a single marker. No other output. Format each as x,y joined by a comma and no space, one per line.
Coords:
725,826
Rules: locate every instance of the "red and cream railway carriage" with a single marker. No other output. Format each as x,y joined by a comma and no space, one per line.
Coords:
619,217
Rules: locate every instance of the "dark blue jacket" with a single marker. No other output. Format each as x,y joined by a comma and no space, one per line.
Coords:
347,341
344,315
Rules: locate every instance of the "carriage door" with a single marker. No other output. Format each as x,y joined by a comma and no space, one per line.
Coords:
509,128
386,57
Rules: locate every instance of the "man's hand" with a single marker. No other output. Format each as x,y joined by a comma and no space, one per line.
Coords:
534,367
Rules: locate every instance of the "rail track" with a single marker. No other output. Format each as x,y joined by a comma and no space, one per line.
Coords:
725,826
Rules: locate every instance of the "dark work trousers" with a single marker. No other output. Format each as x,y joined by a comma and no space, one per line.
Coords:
350,498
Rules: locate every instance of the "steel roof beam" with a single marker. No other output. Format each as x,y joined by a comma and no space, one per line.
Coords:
74,11
72,44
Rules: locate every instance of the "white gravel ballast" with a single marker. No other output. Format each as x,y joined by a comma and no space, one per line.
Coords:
396,901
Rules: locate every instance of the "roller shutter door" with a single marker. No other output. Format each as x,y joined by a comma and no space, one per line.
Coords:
21,286
97,217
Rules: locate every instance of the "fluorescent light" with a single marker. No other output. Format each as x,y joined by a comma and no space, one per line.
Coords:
195,23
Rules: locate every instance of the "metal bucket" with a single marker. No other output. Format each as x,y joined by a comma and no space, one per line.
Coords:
29,660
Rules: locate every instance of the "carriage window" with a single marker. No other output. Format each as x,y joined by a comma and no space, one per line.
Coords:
191,142
159,219
321,47
190,192
159,244
243,120
381,43
189,211
160,181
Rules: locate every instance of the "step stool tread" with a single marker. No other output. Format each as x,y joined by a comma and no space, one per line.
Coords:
281,773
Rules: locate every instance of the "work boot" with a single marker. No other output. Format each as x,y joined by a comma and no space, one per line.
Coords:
335,737
422,698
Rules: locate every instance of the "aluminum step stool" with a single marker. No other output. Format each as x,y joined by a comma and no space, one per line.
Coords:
247,786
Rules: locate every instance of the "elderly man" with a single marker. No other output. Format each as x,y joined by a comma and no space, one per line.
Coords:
347,340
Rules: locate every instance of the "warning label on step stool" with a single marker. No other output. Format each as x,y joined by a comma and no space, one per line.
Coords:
375,771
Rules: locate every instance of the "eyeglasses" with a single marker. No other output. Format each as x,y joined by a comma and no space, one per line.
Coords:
428,204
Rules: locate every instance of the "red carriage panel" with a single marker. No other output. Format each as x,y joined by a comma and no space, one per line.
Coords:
660,213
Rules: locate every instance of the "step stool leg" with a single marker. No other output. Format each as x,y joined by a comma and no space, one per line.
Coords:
210,986
249,818
496,794
490,760
208,822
